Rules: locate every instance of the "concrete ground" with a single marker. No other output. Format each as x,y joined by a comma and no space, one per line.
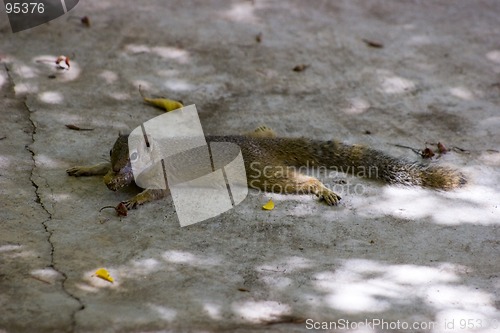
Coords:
381,73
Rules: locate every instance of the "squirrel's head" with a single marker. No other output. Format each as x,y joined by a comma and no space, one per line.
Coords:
120,174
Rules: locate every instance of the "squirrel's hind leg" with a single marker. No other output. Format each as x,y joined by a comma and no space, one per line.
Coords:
89,170
307,184
286,180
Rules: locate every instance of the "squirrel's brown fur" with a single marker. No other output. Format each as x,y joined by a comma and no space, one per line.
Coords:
271,165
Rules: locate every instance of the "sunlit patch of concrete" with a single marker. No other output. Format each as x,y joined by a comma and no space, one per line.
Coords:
357,106
120,96
172,53
23,88
242,12
213,310
178,85
48,161
5,162
26,72
3,80
108,76
137,48
462,93
494,56
145,85
15,251
166,52
393,84
260,311
419,40
165,313
490,157
473,204
187,258
361,285
290,264
10,247
48,275
51,97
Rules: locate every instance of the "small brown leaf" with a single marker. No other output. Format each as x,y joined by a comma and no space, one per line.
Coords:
427,153
77,128
300,68
373,44
286,319
85,21
121,209
442,148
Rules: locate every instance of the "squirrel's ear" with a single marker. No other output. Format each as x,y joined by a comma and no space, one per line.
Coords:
122,133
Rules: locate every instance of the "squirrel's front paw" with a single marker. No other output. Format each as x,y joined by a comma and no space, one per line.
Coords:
330,197
78,171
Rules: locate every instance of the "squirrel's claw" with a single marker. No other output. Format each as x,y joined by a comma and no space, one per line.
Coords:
331,198
78,171
130,204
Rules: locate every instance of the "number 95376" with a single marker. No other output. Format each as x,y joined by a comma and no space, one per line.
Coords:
24,7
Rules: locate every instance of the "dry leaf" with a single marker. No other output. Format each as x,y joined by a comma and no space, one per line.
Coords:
300,68
373,44
442,148
103,274
76,128
121,209
162,103
85,21
269,205
427,153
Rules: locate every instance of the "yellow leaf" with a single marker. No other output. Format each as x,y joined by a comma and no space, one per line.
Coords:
269,205
164,103
103,274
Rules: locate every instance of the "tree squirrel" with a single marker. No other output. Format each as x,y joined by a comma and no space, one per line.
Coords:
271,165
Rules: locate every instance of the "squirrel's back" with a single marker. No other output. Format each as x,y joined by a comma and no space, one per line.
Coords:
353,159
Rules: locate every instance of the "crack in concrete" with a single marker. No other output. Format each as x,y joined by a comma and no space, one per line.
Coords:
39,200
46,227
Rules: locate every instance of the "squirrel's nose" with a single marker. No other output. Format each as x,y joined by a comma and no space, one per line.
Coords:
110,180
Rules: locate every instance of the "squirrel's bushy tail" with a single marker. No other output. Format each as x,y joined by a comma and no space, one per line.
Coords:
369,163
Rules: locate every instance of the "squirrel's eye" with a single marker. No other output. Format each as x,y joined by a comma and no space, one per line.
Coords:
134,156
